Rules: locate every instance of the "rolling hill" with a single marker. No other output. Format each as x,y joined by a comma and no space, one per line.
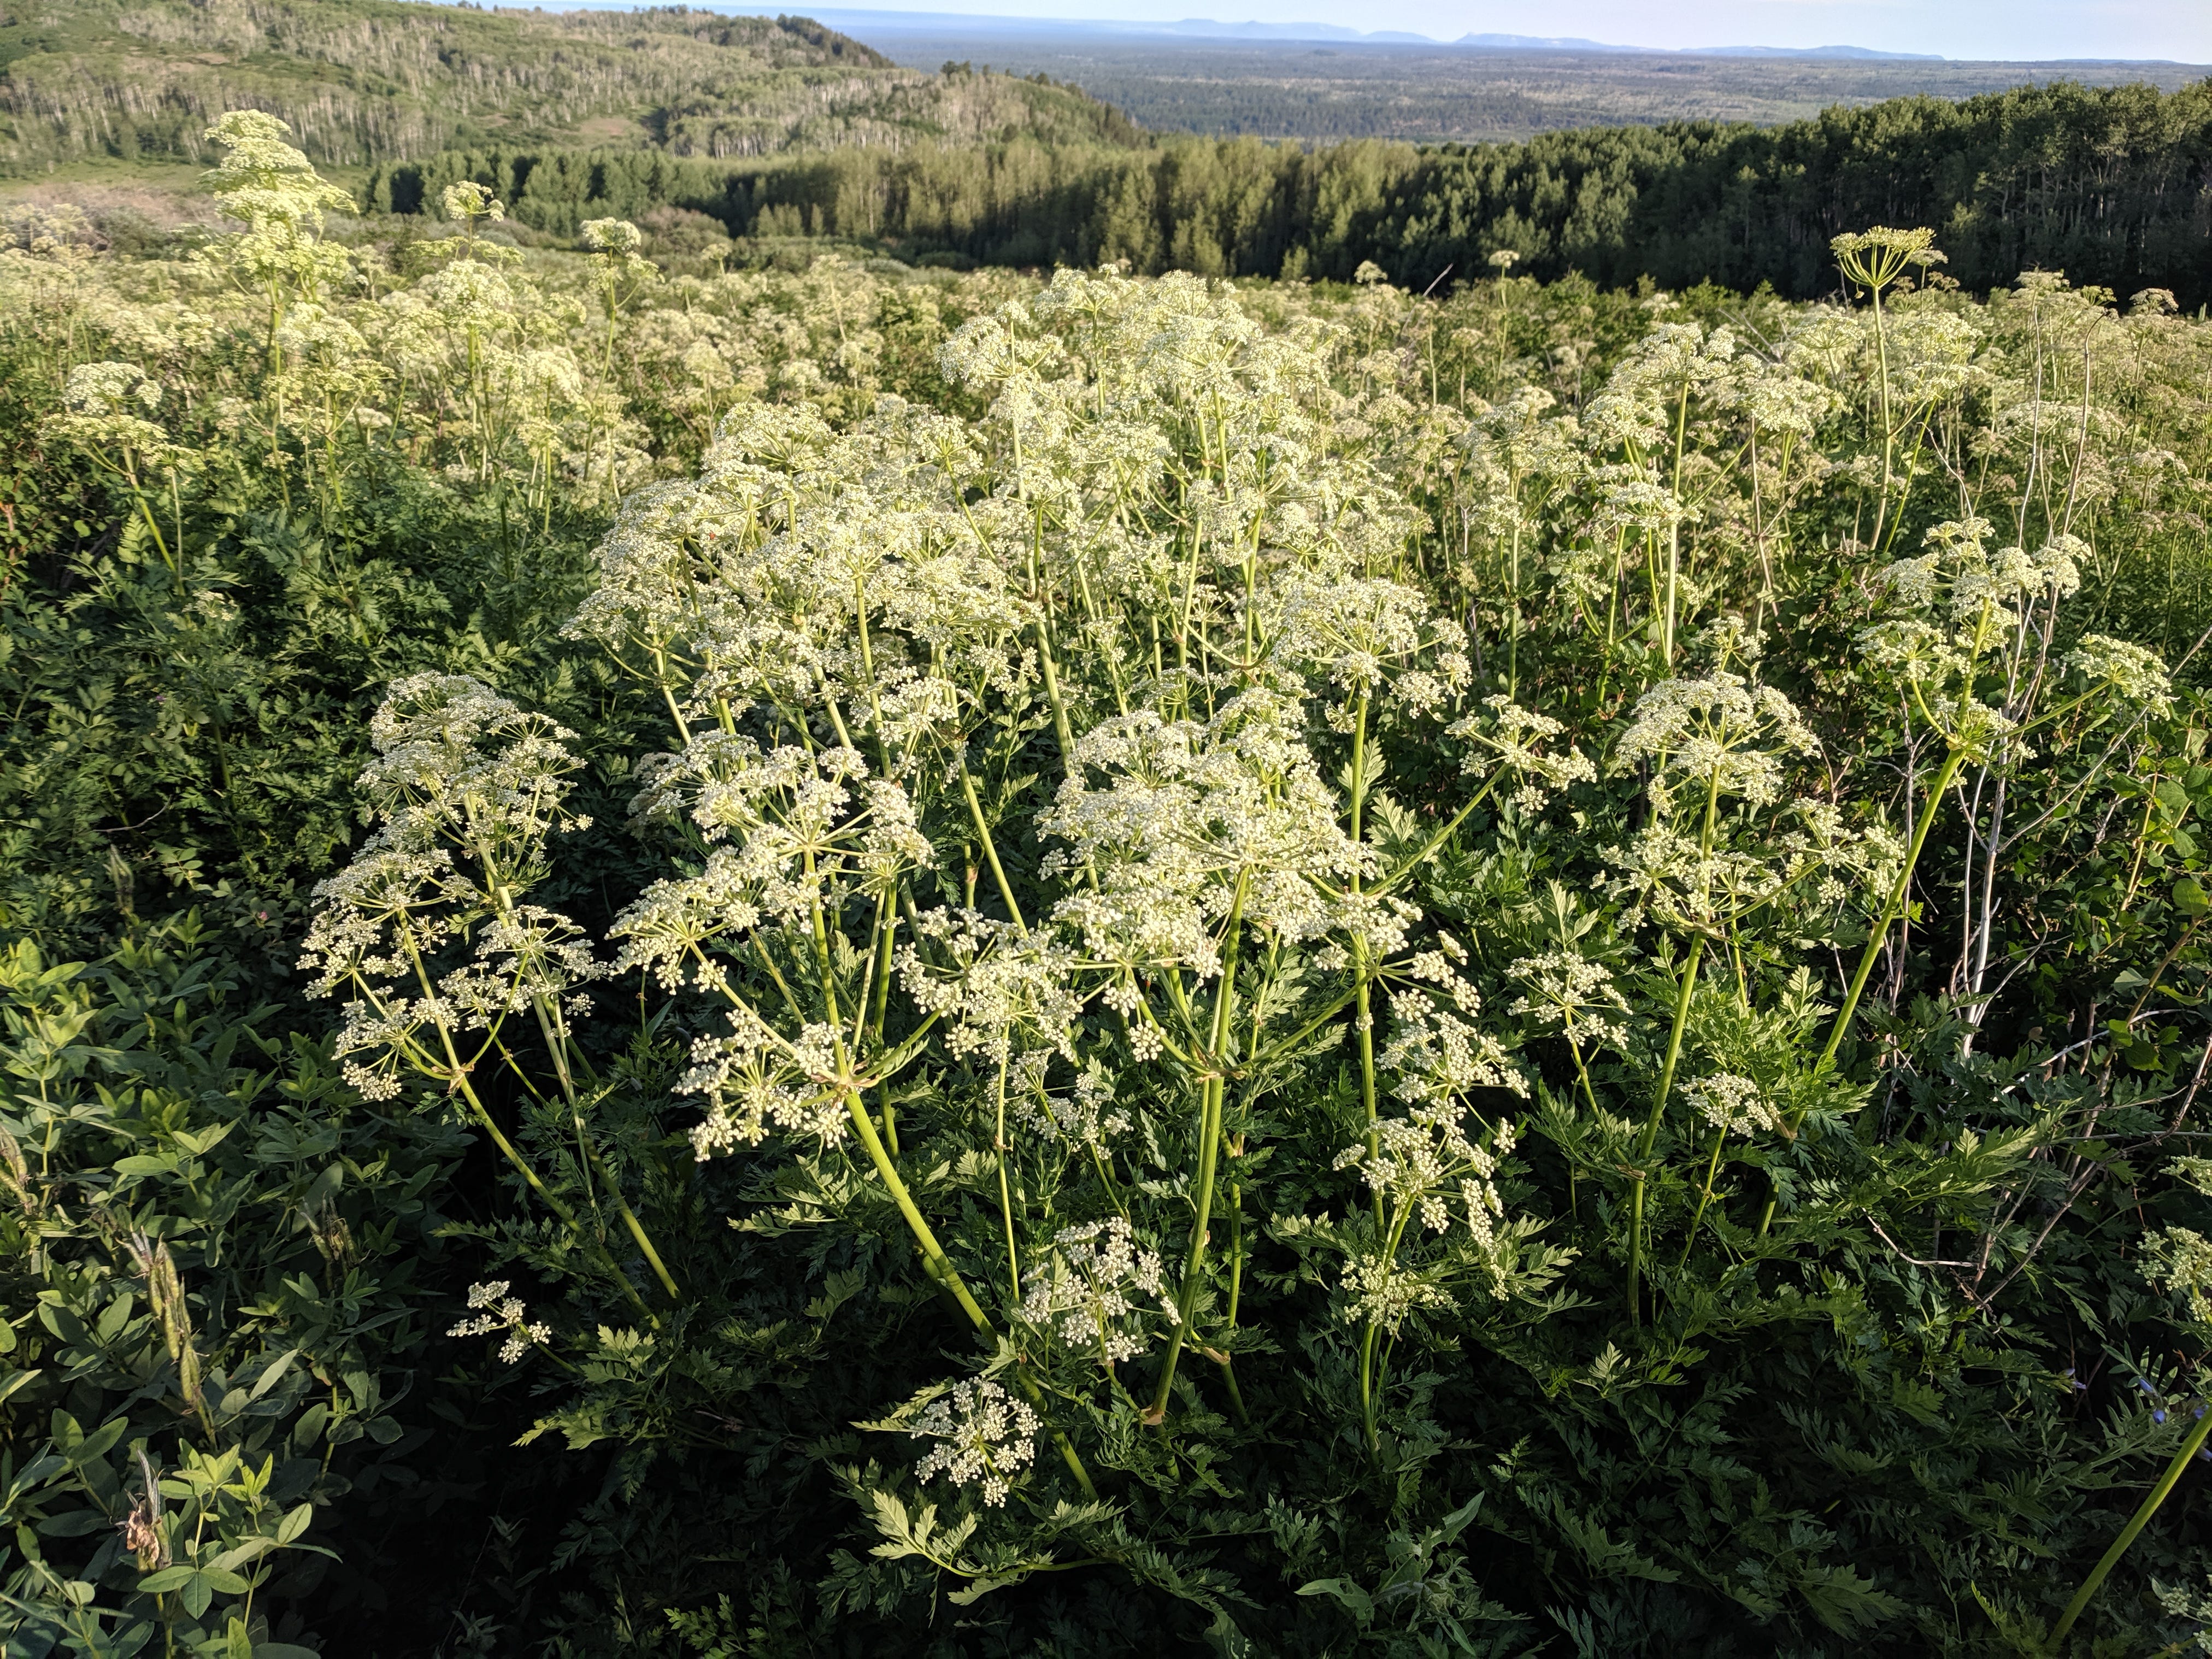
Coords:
368,81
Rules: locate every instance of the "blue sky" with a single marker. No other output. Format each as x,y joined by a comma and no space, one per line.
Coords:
2009,29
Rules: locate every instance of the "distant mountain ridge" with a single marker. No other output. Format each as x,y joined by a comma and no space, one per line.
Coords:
1207,28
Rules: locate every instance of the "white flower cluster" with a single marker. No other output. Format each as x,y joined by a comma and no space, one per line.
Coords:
1718,731
107,404
1086,1116
998,987
459,763
110,388
1424,1159
1968,611
469,786
1436,1057
1368,637
755,1078
1573,992
2133,673
1959,575
984,1437
500,1315
1734,1105
1516,737
1669,871
1378,1290
1191,817
808,828
1086,1292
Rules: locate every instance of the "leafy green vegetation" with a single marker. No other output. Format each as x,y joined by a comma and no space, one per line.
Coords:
844,957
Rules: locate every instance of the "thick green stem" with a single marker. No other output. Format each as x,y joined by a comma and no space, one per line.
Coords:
990,850
1706,1196
883,990
1891,911
1364,1015
1209,1132
934,1262
1675,531
1371,1369
1650,1135
568,1217
1209,1152
938,1268
638,1233
1006,1199
1225,1359
1367,1341
2136,1522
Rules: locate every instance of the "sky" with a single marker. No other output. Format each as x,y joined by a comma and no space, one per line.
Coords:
2015,30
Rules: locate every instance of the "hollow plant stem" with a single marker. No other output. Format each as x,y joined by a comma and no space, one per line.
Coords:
938,1267
990,848
1891,911
1650,1135
1226,1360
1209,1157
1364,1015
1704,1197
2136,1522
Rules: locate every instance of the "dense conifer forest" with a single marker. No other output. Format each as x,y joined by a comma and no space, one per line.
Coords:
2111,185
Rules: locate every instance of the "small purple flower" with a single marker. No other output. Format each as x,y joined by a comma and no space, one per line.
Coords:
2158,1416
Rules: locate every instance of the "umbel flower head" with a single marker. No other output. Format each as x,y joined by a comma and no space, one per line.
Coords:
1568,990
2180,1258
1087,1293
1190,820
1424,1160
983,1437
1517,740
1720,731
458,764
1876,258
2180,1261
497,1314
1733,1104
267,183
1369,637
469,786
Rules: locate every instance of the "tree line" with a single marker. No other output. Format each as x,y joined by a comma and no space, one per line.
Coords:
2111,185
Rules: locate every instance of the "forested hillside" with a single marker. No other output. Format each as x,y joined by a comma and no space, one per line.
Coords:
779,128
2112,186
367,81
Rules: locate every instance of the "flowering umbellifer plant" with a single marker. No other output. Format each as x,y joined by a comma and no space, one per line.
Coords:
1109,881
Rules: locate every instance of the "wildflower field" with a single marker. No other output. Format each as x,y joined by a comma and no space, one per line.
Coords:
836,959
